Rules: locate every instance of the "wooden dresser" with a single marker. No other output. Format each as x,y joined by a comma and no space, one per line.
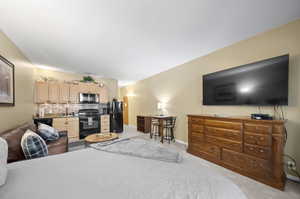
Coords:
143,123
253,148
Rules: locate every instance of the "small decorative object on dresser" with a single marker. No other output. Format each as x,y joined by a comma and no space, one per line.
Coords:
253,148
7,83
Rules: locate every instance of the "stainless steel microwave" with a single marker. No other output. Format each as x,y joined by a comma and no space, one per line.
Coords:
88,98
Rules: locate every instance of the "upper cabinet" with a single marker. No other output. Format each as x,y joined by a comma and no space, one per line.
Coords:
103,95
74,93
53,92
41,92
88,88
62,93
94,88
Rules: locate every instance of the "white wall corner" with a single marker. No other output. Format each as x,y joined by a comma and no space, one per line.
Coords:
130,125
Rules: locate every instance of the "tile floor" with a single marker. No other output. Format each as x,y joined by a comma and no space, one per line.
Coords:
251,188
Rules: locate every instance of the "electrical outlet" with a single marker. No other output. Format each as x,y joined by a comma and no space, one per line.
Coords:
291,165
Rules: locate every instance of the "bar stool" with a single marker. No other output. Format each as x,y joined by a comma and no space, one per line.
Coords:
154,128
168,127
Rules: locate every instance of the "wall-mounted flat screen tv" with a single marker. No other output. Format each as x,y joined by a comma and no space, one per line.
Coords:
261,83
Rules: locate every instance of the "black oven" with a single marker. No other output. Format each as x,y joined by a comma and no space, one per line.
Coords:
89,122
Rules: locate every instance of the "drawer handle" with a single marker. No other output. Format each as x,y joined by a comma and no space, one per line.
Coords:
261,138
261,151
251,148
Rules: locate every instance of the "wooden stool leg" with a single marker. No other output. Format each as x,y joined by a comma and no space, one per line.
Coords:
162,135
172,135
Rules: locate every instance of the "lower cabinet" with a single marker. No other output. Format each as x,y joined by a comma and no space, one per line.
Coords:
71,125
104,120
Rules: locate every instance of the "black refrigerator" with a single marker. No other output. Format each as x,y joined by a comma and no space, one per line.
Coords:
116,116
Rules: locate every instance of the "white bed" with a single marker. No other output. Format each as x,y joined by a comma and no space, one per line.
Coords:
90,173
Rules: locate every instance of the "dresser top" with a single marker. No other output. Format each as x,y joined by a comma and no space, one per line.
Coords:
236,118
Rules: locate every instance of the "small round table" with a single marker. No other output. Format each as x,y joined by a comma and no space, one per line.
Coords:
100,137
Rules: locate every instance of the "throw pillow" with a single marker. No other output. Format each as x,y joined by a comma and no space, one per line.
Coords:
48,133
33,145
3,160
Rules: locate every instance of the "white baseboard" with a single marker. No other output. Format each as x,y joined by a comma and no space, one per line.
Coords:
131,126
181,142
293,178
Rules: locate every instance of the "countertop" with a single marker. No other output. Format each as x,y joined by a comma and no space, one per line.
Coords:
55,116
60,116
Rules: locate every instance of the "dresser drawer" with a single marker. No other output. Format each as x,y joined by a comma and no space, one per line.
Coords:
258,139
196,120
260,152
258,128
196,137
224,133
245,163
210,150
197,127
278,129
224,124
233,145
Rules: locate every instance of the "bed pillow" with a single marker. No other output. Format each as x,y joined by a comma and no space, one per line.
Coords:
33,145
3,160
48,133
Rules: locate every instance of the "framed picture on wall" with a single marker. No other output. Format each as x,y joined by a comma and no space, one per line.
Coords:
7,83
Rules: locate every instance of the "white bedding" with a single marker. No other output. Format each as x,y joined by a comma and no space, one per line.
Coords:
89,174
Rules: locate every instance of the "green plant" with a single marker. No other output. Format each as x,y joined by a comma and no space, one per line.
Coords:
87,79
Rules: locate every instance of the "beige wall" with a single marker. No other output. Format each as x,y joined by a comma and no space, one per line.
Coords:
181,87
111,84
23,110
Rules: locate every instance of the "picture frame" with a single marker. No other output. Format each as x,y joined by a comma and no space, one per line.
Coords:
7,82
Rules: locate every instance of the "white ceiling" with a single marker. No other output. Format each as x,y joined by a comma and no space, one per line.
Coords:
130,40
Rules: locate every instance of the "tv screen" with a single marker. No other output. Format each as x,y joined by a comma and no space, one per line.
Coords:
260,83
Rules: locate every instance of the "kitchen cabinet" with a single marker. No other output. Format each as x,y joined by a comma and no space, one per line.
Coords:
60,124
74,93
73,129
94,88
88,87
41,92
105,125
53,92
71,125
83,88
64,93
103,95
